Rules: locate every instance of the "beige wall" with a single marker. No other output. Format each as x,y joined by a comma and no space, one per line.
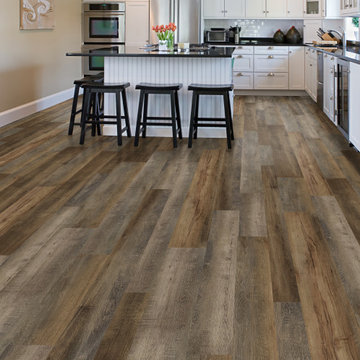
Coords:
33,62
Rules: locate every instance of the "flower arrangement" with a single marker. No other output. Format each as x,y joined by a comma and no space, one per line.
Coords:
165,34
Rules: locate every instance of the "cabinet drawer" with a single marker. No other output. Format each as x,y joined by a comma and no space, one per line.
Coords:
243,62
249,50
265,81
243,80
271,63
282,50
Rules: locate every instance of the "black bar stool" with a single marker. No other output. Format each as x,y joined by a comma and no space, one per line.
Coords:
143,119
202,89
97,116
78,83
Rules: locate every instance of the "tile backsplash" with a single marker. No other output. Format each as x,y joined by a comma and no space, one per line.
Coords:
257,28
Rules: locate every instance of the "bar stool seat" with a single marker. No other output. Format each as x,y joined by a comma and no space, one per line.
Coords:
97,117
143,122
78,83
196,122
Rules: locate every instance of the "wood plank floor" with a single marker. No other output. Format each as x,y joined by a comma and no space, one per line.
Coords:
114,253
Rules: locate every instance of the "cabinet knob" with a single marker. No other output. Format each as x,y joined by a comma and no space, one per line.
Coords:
240,74
270,47
239,56
332,58
270,57
270,74
310,64
239,47
290,52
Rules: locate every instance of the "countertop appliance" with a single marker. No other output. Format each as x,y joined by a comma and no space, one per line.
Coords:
104,22
320,79
342,96
217,35
184,13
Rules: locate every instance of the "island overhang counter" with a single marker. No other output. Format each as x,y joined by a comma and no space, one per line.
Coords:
197,65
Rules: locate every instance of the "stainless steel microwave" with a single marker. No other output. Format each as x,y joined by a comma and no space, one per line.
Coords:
213,36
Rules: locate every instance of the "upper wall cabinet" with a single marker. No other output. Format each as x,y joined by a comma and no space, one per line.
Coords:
295,8
350,7
274,9
313,8
277,8
231,9
255,9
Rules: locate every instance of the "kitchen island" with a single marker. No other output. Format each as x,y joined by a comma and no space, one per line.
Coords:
198,64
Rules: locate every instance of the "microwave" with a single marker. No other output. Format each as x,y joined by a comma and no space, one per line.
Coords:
213,36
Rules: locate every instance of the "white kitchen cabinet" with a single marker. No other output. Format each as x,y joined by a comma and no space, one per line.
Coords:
243,80
271,63
243,50
295,8
271,81
311,73
137,23
354,107
310,29
296,68
329,86
313,8
276,8
270,50
255,9
230,9
350,7
243,62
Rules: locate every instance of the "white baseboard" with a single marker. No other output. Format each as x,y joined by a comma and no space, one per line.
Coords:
30,108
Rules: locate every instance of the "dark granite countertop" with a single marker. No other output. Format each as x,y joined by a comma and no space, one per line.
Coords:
195,51
255,42
350,53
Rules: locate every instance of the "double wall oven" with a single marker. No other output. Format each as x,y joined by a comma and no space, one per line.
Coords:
103,27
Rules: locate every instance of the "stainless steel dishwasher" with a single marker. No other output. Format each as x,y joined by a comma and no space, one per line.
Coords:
342,96
320,79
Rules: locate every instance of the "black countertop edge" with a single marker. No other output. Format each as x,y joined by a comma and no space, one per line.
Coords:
339,52
125,51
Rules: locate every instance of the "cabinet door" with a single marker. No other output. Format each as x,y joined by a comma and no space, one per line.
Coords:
243,80
308,67
243,62
295,8
296,68
310,28
276,8
271,63
329,86
354,110
137,23
313,8
271,81
255,8
234,9
214,8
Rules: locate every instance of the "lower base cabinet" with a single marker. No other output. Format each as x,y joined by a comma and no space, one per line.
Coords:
329,86
311,73
272,81
243,80
354,107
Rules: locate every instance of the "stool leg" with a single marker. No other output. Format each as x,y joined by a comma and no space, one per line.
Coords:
126,113
98,112
138,121
196,117
73,109
93,113
84,115
118,118
173,118
146,104
192,119
227,120
231,119
178,114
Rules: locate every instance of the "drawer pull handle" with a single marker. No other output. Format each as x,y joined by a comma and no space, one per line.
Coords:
239,56
240,74
270,57
271,74
239,47
270,47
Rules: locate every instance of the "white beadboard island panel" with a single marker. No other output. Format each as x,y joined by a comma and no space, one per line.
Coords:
162,70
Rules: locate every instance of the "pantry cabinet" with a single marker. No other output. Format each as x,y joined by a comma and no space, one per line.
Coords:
137,23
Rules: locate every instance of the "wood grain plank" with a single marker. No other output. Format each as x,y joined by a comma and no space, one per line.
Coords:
282,271
332,329
213,317
163,331
120,334
254,309
193,225
291,333
33,352
349,202
343,246
311,172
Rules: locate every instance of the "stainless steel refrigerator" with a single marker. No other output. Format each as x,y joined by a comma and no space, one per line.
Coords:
184,13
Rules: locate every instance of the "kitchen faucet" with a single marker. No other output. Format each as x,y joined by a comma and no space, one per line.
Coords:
341,35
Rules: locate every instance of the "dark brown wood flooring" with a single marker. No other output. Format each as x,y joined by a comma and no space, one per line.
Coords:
113,253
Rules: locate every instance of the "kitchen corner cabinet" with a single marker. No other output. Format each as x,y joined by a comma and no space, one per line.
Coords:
137,23
230,9
350,7
329,86
311,73
296,68
354,107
